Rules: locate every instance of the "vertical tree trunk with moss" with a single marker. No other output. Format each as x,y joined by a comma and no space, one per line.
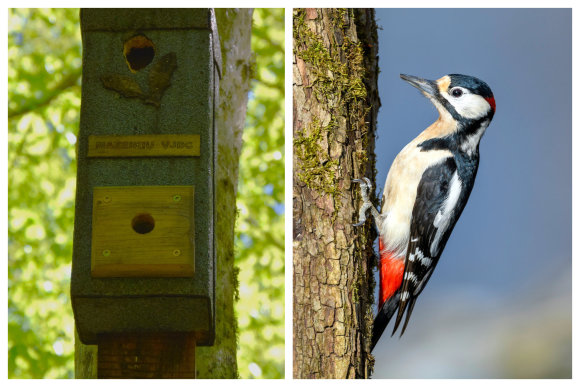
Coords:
335,104
218,361
235,29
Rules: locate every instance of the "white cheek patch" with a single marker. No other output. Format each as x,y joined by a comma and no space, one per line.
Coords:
443,217
471,106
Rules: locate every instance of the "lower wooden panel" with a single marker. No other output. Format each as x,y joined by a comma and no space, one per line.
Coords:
147,355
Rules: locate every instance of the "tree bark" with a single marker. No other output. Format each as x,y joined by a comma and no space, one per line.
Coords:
218,361
85,359
335,103
235,29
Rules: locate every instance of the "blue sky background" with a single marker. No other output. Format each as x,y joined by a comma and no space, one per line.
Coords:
499,302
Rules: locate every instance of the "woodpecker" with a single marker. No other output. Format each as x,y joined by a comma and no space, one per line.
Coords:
426,190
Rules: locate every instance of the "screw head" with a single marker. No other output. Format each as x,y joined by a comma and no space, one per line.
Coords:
107,199
176,252
106,253
176,198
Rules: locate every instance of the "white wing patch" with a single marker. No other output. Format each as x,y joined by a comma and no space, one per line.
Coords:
443,217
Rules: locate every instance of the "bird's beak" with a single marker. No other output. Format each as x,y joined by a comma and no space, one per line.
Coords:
427,87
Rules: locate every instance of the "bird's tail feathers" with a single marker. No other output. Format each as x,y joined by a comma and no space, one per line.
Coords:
408,305
383,317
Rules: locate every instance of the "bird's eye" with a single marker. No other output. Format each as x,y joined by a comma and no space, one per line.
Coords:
457,92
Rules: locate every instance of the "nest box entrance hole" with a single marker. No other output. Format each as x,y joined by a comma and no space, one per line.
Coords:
143,223
139,52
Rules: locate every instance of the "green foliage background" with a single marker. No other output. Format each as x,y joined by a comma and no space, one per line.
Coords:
260,200
44,75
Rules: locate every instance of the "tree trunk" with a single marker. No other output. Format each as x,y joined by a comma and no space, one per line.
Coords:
335,104
235,29
219,360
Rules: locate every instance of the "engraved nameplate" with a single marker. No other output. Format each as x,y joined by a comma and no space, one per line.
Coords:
150,145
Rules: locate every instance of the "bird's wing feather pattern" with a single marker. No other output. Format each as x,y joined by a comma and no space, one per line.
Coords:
434,216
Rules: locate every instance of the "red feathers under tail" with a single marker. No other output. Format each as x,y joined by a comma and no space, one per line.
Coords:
391,273
391,270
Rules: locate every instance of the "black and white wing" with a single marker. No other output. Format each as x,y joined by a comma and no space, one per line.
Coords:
441,196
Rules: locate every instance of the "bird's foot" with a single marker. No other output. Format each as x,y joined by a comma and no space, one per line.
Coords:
365,185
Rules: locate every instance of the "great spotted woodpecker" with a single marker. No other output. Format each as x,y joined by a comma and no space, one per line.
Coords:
426,190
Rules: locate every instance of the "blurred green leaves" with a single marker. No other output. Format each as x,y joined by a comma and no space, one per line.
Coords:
44,68
260,200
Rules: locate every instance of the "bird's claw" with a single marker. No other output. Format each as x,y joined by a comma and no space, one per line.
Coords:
365,185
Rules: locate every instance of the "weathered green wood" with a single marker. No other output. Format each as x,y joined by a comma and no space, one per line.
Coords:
219,360
182,73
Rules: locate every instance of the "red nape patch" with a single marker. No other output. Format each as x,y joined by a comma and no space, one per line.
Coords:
491,102
391,268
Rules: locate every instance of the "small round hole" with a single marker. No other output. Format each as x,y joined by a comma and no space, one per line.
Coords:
143,223
139,52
